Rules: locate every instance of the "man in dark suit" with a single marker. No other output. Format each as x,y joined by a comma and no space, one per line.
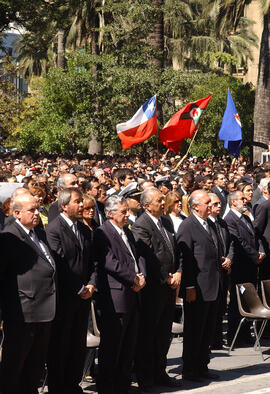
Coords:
28,298
187,184
265,193
157,246
200,286
121,275
64,181
70,241
246,261
262,229
227,249
220,190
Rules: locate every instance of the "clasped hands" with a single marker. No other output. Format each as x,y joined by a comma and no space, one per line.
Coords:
174,280
87,292
139,282
260,258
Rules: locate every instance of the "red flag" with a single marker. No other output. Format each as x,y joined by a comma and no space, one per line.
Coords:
183,124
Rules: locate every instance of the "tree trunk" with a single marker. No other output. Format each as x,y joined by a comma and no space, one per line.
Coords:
157,36
262,98
60,49
95,146
156,39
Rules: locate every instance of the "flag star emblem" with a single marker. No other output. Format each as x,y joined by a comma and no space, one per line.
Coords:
237,118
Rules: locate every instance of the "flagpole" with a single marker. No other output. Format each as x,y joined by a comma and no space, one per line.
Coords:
187,152
165,155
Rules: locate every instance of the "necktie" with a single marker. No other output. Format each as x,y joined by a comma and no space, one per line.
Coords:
77,233
35,239
125,239
165,237
206,226
246,222
220,238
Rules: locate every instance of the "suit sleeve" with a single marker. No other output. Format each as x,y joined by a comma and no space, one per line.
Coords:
73,282
187,263
106,259
252,253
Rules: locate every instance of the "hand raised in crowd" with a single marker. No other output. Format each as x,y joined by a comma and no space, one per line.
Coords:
87,292
138,283
191,294
174,280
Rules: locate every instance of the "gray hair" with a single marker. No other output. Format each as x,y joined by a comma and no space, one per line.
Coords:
112,203
195,198
61,183
233,196
146,196
65,196
264,183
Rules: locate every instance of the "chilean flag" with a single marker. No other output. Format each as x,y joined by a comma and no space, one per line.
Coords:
141,126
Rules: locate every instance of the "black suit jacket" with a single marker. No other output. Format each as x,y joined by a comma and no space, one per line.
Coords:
28,289
226,238
223,199
159,259
169,223
53,211
262,225
200,259
74,263
246,252
116,268
261,200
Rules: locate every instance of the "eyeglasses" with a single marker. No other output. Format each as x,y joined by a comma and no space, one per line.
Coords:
216,204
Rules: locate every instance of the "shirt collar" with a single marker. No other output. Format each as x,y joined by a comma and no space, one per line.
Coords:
23,227
132,217
118,229
211,218
238,214
220,189
202,221
69,222
155,220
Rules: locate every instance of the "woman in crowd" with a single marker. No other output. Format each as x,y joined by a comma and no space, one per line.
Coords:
172,210
89,207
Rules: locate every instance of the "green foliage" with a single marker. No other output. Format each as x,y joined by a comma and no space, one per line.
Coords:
96,102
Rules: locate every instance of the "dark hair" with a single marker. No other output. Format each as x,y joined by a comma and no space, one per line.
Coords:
123,172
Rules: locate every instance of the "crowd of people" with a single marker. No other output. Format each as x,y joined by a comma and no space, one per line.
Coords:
135,235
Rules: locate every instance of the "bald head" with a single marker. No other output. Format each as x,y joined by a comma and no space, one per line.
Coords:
26,209
200,203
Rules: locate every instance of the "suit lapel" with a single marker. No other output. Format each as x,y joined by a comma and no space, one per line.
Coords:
26,238
68,231
201,228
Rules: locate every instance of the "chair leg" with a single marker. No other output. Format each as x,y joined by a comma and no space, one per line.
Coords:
88,362
235,336
44,382
260,333
257,338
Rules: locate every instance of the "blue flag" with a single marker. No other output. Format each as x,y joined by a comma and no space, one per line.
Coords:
231,129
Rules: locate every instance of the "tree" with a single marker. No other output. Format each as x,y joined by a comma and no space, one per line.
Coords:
113,96
262,99
10,98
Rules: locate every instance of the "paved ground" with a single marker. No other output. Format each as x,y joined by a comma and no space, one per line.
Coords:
241,372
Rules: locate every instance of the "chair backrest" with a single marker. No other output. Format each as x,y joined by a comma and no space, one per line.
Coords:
94,320
248,299
265,286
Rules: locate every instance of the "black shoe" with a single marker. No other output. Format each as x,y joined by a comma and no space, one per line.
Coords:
145,389
217,346
192,377
167,381
209,375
